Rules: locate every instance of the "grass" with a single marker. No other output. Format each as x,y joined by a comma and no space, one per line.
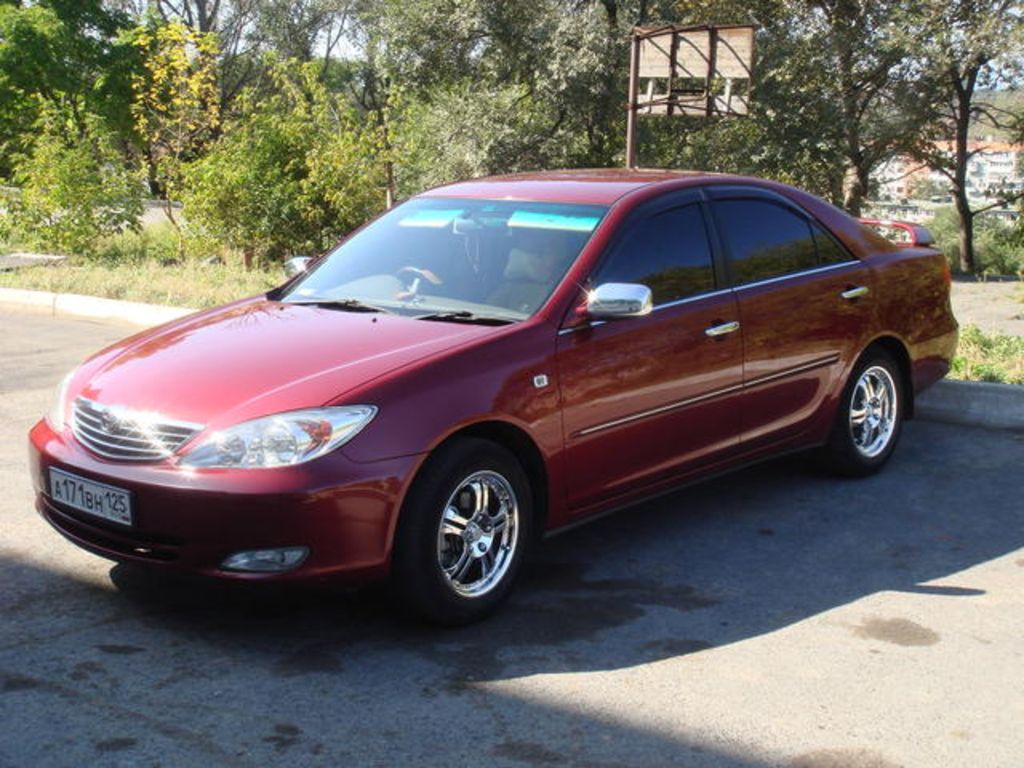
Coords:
144,266
189,284
995,358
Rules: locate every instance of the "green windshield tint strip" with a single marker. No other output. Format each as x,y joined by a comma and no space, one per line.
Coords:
541,220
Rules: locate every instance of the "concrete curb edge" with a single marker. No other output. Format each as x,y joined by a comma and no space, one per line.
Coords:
973,403
77,305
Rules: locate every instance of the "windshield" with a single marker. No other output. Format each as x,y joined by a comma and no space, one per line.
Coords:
454,259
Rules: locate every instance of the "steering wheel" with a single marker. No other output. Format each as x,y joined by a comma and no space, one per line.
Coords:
412,278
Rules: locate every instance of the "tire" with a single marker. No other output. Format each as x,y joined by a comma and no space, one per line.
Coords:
869,418
463,533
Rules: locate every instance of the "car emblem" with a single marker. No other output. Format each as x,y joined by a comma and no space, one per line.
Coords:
110,423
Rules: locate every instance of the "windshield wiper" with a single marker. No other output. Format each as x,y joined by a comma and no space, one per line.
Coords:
348,305
462,316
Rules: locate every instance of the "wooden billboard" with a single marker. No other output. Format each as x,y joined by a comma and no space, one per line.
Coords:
703,71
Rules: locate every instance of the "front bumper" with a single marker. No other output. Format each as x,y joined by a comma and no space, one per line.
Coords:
191,520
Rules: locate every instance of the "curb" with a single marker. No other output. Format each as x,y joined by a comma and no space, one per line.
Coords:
973,403
76,305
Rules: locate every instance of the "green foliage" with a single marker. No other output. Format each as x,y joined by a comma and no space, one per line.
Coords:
995,358
157,244
59,54
999,247
75,189
292,173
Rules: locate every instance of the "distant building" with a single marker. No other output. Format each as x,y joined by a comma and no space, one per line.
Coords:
995,166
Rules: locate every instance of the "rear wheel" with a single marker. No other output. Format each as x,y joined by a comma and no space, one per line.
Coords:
870,416
463,532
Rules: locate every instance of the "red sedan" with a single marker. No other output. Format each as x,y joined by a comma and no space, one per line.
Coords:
489,361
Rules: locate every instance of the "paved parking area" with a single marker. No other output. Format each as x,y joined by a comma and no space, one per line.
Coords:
775,617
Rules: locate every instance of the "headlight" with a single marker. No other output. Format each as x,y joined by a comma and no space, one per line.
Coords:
57,410
282,440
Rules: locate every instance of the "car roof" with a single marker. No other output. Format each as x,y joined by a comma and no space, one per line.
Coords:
605,186
599,186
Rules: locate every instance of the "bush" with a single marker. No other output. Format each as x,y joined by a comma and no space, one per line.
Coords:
74,190
998,246
157,243
996,358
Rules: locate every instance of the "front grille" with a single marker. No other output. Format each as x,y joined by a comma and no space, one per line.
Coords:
119,433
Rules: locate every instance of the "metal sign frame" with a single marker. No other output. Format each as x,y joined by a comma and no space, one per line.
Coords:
675,62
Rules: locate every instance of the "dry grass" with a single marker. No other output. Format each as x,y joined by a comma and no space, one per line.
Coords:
190,284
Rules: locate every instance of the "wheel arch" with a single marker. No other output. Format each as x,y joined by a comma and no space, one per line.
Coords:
895,347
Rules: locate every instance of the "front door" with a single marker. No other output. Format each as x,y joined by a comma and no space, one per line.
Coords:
643,397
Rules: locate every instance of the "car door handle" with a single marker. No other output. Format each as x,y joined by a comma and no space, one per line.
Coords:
722,329
855,292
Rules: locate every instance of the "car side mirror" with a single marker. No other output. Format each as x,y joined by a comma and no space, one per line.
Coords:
614,300
296,265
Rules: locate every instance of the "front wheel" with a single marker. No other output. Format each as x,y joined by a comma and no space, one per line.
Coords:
463,532
870,416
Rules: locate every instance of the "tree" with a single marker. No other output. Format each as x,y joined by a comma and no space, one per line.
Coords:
969,45
294,171
176,104
868,75
63,55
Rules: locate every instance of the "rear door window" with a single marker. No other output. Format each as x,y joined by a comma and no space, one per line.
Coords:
764,240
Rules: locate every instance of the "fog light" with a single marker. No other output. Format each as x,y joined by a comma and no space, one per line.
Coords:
266,560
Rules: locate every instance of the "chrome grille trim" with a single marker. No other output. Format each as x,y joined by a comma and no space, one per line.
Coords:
119,433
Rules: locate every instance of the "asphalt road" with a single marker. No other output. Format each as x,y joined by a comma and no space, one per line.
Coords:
775,617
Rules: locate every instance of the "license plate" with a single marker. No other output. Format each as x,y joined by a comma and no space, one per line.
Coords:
98,499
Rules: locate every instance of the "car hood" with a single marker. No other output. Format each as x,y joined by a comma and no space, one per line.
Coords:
259,357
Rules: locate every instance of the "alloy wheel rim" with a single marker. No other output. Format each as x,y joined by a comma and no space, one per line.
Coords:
873,411
478,533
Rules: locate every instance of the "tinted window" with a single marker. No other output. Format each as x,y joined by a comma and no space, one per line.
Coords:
829,251
668,252
765,240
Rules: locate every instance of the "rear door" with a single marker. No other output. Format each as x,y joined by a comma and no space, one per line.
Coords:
804,305
643,396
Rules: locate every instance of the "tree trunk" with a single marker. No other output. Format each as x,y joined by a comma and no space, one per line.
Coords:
248,257
963,209
179,235
964,89
857,192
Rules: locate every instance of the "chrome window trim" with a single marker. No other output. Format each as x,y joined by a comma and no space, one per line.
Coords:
695,297
581,326
801,273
